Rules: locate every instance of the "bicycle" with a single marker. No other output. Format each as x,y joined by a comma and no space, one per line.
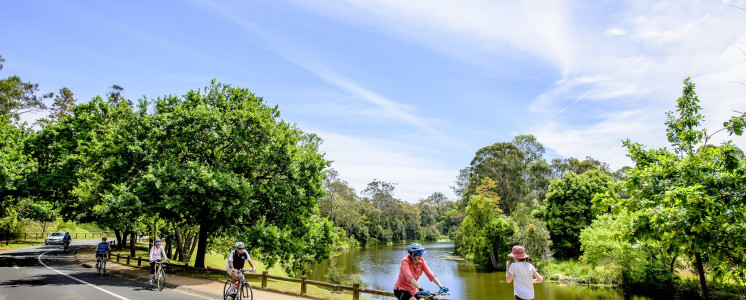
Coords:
432,295
65,245
101,265
160,276
243,288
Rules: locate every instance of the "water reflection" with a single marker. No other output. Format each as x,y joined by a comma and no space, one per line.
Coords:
379,268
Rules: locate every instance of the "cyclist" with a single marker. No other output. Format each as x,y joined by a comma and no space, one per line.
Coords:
236,260
67,239
102,248
156,253
412,267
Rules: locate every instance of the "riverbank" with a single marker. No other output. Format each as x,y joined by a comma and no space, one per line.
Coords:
684,285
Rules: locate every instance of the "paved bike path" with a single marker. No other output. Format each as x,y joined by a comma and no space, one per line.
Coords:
202,287
45,272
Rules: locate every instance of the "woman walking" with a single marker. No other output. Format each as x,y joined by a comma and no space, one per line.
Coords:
522,274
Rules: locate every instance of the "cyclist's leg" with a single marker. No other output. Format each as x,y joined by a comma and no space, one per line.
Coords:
152,270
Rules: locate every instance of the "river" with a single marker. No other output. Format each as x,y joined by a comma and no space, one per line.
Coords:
379,267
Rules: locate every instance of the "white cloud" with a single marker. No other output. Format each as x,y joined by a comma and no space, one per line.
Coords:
633,72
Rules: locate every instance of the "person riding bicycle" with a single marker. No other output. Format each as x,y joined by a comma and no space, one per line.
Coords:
67,239
156,253
102,248
236,261
412,267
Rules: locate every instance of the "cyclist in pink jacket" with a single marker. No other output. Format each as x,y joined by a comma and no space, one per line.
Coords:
156,253
412,267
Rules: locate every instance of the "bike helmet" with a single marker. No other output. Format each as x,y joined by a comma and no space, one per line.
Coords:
415,247
157,241
103,238
240,245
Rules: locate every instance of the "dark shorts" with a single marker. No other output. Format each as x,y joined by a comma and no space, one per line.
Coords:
100,255
152,268
519,298
404,295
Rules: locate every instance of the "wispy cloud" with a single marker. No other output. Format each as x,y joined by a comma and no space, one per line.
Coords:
620,64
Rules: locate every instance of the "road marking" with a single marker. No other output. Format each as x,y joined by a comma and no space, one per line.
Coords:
16,267
88,284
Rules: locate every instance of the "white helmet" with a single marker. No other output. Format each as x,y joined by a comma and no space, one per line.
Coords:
240,245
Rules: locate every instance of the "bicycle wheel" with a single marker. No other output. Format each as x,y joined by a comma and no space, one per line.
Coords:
103,268
160,278
98,266
246,291
226,289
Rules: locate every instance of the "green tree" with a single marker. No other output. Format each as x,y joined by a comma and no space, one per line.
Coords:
18,97
15,167
484,230
691,200
570,208
565,165
503,163
222,149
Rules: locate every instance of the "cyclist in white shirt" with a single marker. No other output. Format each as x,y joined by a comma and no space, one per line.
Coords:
236,261
156,253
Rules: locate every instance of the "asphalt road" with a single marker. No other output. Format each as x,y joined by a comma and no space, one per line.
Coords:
45,272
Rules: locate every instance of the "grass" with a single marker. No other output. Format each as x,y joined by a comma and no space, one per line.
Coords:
18,244
217,261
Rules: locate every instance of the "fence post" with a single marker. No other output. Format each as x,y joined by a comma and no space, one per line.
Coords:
117,257
356,291
139,261
24,236
186,265
208,270
303,285
128,260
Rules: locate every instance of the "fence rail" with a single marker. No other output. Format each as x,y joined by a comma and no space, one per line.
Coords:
355,288
12,236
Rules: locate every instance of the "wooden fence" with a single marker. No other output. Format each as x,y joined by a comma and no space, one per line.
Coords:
355,288
12,236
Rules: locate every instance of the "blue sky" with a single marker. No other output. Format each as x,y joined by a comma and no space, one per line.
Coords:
406,91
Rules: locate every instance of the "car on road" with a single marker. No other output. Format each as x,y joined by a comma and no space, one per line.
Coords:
54,238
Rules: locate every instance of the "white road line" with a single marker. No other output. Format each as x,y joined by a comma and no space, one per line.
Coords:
91,285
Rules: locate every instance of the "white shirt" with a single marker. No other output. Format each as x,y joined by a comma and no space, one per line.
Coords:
523,282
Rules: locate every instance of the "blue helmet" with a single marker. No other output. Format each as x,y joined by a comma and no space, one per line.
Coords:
415,247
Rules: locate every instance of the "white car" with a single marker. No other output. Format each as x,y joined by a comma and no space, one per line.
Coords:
54,238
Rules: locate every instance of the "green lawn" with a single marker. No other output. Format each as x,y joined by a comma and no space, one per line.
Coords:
19,244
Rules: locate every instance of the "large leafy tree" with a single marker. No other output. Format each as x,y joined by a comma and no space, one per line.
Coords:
223,160
570,208
15,167
485,228
18,97
691,200
504,164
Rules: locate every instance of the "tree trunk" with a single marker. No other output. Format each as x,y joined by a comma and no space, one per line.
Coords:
168,245
123,244
495,256
133,237
701,272
199,262
179,244
118,234
194,244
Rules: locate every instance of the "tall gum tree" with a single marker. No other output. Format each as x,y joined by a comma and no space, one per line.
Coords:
691,200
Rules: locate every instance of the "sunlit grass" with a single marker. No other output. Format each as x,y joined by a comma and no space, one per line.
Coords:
19,244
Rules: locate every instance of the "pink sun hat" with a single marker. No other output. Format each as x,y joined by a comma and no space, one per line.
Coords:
518,253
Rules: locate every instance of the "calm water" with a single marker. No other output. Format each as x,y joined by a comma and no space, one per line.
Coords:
379,267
